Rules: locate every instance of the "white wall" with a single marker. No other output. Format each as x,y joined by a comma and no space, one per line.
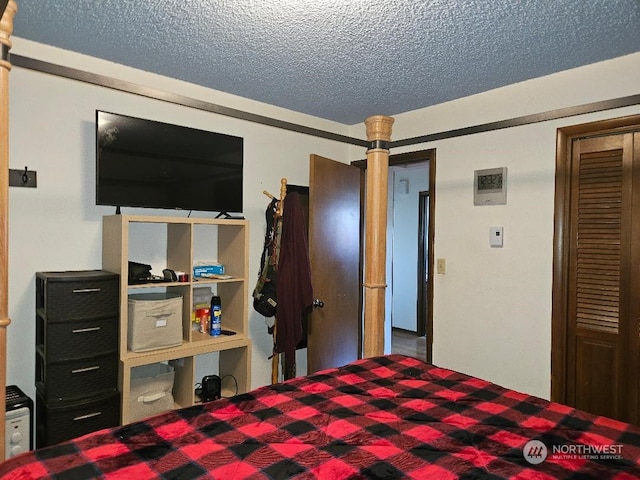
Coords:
492,308
57,226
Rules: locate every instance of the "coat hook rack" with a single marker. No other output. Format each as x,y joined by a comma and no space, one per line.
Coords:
23,178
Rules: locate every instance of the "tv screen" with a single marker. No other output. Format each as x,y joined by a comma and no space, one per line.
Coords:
144,163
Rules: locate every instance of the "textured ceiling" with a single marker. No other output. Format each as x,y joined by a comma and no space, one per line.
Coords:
341,60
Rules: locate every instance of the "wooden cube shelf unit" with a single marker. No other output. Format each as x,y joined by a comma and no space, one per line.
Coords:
230,240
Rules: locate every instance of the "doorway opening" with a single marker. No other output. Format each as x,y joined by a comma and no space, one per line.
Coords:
407,254
410,237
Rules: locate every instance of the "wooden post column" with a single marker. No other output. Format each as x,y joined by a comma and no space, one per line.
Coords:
6,28
375,253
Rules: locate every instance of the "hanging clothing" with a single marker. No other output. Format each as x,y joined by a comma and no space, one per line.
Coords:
294,289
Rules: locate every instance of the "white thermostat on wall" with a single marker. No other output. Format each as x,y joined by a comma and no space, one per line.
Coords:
496,236
490,186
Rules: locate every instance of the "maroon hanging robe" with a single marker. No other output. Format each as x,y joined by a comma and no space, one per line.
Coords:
295,293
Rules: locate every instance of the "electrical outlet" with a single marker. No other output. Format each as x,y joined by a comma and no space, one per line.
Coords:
441,266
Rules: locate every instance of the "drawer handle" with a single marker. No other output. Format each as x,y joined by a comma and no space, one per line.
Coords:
88,369
83,330
88,415
86,290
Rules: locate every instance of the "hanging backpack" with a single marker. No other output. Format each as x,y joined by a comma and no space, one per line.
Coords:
265,293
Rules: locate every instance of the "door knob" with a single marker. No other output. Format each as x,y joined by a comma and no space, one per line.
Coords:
317,303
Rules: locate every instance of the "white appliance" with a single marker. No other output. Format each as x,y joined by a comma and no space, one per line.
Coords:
18,422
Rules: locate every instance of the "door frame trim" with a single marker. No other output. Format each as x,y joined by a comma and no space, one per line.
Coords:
565,137
423,263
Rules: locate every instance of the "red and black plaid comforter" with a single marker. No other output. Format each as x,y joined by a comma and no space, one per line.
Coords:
387,417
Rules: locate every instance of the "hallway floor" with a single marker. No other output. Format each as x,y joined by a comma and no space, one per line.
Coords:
407,343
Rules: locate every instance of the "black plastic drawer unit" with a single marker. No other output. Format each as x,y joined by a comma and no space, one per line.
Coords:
77,332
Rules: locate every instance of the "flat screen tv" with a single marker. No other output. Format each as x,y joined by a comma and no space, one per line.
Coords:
144,163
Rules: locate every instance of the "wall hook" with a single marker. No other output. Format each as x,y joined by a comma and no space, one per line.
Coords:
23,178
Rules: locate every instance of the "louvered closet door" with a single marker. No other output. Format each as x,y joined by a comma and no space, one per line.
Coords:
602,370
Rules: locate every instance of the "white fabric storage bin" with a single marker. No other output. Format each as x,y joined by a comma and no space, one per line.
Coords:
155,321
151,390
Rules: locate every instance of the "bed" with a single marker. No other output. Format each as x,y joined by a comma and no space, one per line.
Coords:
385,417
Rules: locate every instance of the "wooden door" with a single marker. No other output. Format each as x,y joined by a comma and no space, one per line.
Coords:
334,331
603,276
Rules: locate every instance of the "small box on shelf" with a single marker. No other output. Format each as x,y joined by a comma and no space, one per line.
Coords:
155,321
206,270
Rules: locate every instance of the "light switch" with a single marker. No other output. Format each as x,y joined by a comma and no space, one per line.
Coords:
441,266
496,236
